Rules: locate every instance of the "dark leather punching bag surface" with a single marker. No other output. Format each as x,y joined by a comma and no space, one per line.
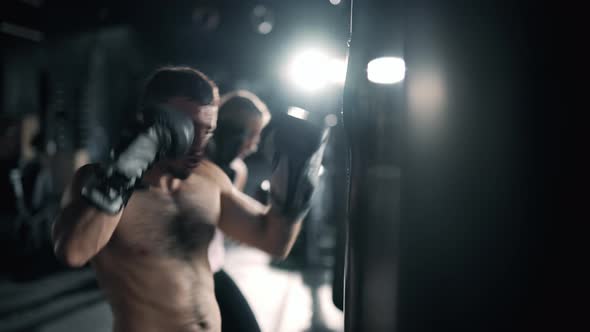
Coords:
449,169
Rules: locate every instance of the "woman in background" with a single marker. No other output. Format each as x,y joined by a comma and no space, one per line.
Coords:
242,117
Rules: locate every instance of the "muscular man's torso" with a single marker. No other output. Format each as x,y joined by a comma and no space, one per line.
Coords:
155,270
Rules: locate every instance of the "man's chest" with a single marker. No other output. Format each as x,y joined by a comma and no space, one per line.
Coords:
179,224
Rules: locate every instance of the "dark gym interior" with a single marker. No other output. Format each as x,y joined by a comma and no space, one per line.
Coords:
435,209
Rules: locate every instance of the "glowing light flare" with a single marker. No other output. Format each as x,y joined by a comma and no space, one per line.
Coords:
307,70
298,112
386,70
262,19
331,120
264,28
313,70
336,70
265,185
426,92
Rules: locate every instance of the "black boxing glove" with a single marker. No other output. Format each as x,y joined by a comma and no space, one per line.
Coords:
167,133
298,147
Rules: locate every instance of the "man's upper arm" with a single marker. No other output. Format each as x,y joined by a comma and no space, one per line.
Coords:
243,218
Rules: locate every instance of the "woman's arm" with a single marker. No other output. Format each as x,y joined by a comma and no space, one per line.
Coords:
241,176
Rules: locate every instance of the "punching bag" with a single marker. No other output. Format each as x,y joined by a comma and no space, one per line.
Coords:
446,216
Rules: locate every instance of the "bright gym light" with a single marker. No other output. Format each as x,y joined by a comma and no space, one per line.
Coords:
298,112
386,70
313,70
336,70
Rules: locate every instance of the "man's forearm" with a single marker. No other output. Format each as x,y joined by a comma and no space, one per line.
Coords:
283,230
81,231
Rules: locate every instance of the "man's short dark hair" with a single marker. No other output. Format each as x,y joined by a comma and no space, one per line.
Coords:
164,84
172,81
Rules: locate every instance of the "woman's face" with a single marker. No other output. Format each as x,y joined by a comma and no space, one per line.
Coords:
250,145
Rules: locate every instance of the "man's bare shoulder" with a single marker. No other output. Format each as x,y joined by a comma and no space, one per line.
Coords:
211,171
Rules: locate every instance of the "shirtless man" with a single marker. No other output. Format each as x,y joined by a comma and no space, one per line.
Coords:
145,220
